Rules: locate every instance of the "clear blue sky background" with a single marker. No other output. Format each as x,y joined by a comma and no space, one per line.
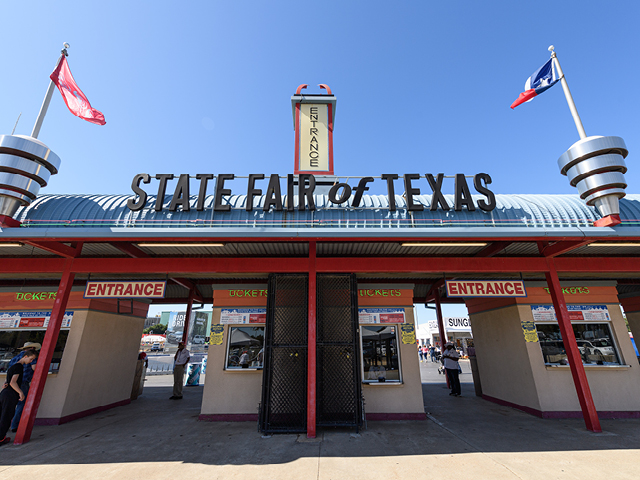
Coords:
422,87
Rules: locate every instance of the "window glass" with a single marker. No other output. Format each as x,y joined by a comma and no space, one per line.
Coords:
380,361
245,348
595,343
12,340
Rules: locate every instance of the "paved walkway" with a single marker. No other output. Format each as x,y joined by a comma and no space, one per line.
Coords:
465,437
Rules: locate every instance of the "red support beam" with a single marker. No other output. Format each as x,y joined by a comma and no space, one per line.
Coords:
492,249
257,265
46,353
191,286
433,291
311,346
573,354
187,316
559,248
130,249
56,248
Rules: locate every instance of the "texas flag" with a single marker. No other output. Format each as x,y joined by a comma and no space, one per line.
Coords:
76,101
542,79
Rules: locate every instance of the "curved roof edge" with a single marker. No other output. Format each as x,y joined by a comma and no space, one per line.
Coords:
530,214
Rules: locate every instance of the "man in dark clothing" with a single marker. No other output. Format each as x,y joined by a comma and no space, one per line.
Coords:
11,394
26,380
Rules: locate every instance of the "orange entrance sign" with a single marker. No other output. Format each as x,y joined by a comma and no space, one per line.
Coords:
486,288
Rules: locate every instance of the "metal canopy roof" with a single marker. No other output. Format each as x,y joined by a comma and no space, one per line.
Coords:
515,215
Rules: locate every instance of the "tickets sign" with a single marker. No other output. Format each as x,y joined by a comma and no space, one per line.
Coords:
144,289
486,288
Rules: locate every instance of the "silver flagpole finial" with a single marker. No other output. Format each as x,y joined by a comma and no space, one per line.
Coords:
65,45
551,48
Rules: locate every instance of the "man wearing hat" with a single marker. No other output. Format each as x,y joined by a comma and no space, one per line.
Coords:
27,376
451,357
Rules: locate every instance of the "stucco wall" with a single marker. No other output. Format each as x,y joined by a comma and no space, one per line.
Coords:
98,364
229,392
513,370
503,356
398,398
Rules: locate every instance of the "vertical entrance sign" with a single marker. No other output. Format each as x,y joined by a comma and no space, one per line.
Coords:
313,117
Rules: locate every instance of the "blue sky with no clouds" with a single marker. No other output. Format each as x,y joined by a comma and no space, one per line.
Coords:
422,87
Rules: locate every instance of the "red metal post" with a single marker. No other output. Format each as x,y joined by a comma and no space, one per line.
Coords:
573,354
311,345
443,338
46,353
187,317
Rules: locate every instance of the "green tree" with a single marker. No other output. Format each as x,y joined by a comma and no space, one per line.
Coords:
158,329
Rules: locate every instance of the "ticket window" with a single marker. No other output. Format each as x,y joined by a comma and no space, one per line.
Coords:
380,354
595,343
245,348
12,340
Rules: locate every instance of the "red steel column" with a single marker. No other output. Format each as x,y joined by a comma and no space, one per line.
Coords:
187,317
311,345
443,338
573,354
44,359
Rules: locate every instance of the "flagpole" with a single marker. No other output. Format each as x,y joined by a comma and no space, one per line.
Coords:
567,94
47,97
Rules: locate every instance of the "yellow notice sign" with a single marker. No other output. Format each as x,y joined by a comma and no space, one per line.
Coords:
529,330
217,333
408,332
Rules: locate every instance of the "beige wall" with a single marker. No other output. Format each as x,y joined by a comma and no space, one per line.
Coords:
503,356
98,364
229,391
398,398
514,371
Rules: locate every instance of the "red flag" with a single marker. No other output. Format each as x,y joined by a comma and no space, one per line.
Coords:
76,101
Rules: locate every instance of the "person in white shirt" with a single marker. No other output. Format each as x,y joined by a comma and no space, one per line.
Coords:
180,361
451,357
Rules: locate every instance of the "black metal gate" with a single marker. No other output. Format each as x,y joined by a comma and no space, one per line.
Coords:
339,396
284,379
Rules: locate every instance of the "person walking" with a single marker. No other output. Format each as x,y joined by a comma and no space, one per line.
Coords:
451,357
425,352
12,393
432,352
180,361
27,376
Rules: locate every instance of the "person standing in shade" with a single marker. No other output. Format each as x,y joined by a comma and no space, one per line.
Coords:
451,357
180,361
27,376
12,394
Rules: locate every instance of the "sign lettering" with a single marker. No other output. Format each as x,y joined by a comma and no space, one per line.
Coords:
146,289
486,288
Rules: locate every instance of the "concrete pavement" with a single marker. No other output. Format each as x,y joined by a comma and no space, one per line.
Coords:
464,437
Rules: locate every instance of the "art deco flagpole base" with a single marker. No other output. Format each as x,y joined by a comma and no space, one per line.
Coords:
26,164
608,221
596,167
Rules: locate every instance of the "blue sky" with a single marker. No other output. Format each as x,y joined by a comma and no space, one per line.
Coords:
422,87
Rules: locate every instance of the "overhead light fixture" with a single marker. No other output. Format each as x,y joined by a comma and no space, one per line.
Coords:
442,244
12,244
614,244
180,245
